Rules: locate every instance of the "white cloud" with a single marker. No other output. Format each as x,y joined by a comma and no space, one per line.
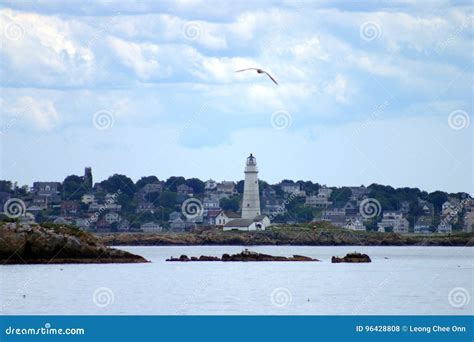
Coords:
40,112
141,58
140,65
338,89
43,49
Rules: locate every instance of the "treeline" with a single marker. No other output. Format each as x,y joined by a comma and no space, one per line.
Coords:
166,201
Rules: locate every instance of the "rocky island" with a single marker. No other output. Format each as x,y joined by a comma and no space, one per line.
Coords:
352,257
303,235
245,255
56,244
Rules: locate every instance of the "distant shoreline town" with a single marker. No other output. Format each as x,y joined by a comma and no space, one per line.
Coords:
150,205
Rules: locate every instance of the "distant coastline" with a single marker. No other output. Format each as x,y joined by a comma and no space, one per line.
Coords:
301,236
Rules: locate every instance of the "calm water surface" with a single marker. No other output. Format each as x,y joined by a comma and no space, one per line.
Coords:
400,280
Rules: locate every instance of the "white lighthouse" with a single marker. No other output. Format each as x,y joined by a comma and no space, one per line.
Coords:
251,200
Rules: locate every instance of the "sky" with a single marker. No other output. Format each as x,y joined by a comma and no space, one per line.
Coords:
369,92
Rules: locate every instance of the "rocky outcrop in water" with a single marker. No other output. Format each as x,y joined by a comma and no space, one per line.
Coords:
246,255
55,244
352,257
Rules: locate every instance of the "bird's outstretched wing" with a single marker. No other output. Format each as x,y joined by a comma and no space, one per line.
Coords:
246,69
260,71
271,78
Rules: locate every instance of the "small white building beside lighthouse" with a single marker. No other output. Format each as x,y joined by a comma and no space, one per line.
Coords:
251,217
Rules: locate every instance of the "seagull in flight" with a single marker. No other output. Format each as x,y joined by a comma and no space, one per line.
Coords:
260,71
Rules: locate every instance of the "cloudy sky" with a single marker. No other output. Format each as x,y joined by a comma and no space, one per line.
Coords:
379,92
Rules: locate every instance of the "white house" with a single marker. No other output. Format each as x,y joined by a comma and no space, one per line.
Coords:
225,216
401,226
423,225
258,223
445,227
150,227
355,224
88,199
210,185
325,191
28,218
318,201
290,187
82,223
468,222
226,188
112,217
152,187
390,219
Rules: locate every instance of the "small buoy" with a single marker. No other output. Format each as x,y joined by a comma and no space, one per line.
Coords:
308,300
24,296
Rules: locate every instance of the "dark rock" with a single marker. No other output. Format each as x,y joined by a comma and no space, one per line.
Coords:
184,258
352,257
302,258
34,244
208,258
244,256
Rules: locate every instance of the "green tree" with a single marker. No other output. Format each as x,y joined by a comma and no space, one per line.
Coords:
240,187
119,182
196,184
437,198
126,202
5,186
73,188
146,180
152,197
310,187
230,203
279,192
340,196
168,199
172,183
303,214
